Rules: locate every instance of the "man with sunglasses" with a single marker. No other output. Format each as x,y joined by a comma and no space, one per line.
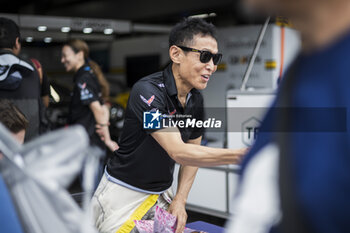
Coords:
140,174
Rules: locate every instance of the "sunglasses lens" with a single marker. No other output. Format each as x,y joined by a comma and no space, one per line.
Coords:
217,58
205,56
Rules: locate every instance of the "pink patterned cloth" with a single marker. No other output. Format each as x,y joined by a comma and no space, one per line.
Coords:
163,222
144,226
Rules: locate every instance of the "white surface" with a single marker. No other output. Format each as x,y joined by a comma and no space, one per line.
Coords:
208,190
238,43
257,207
232,188
245,109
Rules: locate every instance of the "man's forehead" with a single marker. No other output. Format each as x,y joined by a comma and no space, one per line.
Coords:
197,39
204,42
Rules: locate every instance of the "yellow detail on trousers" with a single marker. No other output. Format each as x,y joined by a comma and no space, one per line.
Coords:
114,207
138,214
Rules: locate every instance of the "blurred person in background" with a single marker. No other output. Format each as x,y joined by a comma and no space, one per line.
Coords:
44,82
45,124
19,81
296,177
14,120
90,92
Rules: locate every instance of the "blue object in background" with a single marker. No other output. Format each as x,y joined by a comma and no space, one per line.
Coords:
204,226
9,221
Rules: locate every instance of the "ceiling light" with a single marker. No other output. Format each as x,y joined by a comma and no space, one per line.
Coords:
87,30
29,39
47,39
203,16
65,29
42,28
108,31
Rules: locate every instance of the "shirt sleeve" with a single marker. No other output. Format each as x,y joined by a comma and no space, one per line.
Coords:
88,91
45,86
147,104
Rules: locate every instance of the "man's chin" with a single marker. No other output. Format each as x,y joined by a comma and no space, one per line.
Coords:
201,86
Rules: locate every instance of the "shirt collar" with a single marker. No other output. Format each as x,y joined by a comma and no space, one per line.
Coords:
6,51
170,85
81,70
188,96
169,81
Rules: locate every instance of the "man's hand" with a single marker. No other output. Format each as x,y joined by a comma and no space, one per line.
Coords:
239,154
177,208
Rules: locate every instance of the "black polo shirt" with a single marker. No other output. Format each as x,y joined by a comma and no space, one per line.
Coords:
141,161
85,91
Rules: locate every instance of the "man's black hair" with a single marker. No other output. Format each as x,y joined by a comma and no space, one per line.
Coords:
184,31
9,31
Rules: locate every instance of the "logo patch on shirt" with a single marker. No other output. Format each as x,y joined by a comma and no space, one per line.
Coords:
87,68
82,86
173,112
147,101
161,85
3,69
84,92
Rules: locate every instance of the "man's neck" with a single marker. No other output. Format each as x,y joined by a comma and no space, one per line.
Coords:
183,88
324,25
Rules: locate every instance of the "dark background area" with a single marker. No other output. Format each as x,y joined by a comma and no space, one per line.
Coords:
228,12
140,66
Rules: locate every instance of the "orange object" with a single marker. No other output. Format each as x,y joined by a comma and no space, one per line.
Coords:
38,68
282,51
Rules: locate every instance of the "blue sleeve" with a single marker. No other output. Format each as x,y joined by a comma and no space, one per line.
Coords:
9,221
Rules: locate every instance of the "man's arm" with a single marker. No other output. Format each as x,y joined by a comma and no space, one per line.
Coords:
185,180
195,155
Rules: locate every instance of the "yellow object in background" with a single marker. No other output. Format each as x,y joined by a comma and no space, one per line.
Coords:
270,64
283,22
121,99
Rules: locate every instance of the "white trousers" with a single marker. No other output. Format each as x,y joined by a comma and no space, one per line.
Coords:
114,207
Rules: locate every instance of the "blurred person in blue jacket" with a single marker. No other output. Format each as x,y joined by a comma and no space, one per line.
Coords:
19,81
296,177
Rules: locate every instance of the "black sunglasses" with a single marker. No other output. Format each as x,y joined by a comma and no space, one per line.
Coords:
205,55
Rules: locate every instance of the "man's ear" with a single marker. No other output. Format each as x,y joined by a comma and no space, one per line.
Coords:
17,47
175,54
